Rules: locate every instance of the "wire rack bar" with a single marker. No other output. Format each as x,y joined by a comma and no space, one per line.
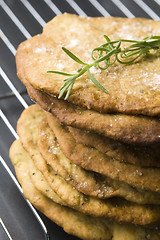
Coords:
22,101
15,19
6,121
4,118
123,8
29,204
7,42
14,90
5,229
6,79
147,9
76,7
34,13
100,8
11,94
158,2
53,7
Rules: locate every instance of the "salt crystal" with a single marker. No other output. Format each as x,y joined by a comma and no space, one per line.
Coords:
60,65
137,172
73,43
148,236
40,50
73,29
95,70
42,133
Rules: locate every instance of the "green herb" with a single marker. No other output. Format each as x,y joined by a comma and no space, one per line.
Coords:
106,55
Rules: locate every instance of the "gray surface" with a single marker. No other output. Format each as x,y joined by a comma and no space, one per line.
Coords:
14,211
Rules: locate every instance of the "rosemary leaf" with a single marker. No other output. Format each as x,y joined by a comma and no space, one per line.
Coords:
68,84
61,73
63,89
69,90
71,55
96,82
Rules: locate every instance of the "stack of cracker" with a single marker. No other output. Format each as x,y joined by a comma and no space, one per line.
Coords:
91,163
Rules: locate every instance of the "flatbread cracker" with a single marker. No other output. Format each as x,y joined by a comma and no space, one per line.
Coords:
73,222
84,181
117,209
39,180
89,183
93,160
129,129
144,156
133,88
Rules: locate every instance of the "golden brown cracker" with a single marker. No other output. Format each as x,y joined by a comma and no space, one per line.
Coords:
145,156
71,221
39,180
139,130
89,183
94,160
133,88
117,209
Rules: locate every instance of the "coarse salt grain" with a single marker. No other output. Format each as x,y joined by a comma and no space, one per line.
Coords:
73,43
40,50
60,66
95,70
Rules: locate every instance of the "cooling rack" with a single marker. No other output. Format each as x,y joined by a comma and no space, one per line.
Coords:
19,20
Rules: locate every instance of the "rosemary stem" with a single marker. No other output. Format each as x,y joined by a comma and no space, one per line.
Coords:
149,46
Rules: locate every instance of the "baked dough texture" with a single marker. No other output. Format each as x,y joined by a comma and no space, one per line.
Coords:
115,208
87,182
131,129
73,222
133,89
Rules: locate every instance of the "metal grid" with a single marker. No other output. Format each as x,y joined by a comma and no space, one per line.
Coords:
20,19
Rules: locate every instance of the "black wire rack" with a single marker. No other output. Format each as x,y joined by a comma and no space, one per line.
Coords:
19,20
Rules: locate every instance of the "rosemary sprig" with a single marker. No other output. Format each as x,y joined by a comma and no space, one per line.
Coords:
106,55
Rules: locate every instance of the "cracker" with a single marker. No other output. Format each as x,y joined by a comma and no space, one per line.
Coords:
139,130
94,160
133,88
73,222
117,209
39,180
89,183
144,156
